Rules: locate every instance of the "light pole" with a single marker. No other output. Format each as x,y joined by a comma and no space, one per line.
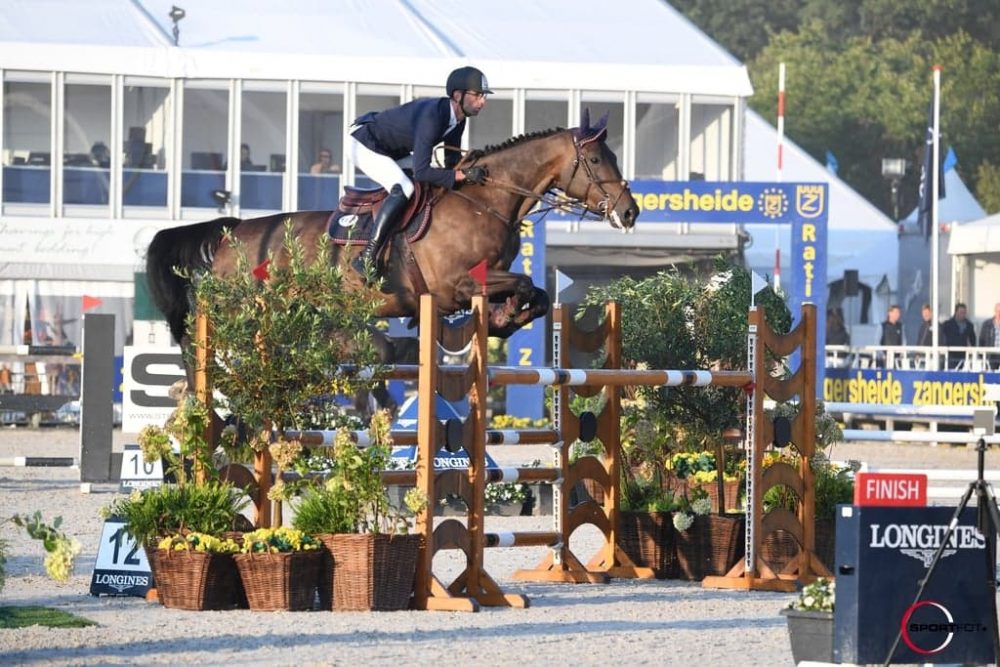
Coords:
894,169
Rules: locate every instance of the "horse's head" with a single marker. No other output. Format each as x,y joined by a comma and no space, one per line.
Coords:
593,176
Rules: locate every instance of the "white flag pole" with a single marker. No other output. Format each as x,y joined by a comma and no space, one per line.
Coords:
781,144
935,228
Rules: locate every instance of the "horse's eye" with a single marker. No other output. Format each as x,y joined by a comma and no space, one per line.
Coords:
595,159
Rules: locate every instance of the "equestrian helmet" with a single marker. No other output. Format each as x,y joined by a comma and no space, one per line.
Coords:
467,78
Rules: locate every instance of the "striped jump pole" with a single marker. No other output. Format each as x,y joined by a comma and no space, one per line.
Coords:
404,438
565,377
494,476
38,462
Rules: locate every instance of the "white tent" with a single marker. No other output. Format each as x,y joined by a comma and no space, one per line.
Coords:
859,236
641,45
976,238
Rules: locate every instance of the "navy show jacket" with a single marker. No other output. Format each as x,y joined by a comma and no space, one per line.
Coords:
415,127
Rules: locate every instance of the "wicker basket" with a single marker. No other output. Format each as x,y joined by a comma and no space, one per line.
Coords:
778,548
710,547
369,572
648,539
284,581
198,581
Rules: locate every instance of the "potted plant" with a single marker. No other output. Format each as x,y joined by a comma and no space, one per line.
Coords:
196,571
505,498
372,559
810,622
282,333
280,568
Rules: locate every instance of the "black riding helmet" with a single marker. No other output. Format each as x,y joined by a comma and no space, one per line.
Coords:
467,78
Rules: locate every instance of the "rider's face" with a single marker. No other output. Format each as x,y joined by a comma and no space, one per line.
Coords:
473,103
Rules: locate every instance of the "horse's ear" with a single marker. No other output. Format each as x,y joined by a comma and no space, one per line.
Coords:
585,121
601,124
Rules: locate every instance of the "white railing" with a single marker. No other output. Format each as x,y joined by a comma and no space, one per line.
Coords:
914,357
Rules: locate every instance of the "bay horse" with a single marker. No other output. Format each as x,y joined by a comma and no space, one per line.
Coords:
466,227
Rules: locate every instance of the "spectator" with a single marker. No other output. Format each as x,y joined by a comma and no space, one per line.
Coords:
325,164
989,334
246,162
957,331
836,332
100,156
892,328
926,335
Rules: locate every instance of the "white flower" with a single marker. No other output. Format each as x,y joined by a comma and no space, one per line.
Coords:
682,521
702,506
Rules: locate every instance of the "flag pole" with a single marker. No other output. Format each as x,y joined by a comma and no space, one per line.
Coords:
781,142
935,228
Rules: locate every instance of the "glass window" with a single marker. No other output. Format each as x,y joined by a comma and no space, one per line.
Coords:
656,129
204,142
321,150
366,102
27,141
494,125
262,149
616,122
711,142
542,114
86,135
146,112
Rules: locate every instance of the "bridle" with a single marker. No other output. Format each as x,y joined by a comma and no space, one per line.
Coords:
606,204
565,202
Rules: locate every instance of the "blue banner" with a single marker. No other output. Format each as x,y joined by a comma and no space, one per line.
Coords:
893,387
729,201
527,346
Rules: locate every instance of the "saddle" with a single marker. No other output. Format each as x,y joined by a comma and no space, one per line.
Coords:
351,223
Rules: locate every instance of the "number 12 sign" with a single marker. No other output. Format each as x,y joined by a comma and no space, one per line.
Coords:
121,567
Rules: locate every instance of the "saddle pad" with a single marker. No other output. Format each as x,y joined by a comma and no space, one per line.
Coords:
352,222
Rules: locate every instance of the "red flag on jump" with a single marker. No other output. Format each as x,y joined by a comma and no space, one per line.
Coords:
260,271
90,302
478,273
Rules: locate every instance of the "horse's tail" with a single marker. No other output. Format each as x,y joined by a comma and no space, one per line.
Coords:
189,248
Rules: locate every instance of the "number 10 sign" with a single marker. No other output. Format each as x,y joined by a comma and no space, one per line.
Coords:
121,567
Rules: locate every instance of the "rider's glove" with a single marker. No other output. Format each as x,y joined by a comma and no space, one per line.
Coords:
475,175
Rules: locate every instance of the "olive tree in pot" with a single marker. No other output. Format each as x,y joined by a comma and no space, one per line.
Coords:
281,333
675,320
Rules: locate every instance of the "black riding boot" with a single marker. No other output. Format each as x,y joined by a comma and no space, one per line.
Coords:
385,220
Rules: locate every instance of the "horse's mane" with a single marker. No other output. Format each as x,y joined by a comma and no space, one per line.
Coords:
520,139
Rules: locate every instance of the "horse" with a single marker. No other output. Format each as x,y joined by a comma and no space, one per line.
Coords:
464,228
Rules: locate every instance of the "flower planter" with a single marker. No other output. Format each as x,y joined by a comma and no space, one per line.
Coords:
505,509
811,635
648,539
280,581
710,547
369,572
198,581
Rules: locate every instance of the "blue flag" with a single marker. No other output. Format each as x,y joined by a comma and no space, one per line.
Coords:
831,162
924,192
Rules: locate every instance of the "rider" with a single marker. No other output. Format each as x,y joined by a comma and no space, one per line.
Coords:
379,139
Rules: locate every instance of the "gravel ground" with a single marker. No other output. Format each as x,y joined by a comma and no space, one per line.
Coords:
643,622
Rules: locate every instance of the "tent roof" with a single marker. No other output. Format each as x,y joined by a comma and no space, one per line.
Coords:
642,45
957,205
975,238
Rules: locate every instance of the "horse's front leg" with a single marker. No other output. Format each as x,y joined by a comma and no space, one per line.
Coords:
514,300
